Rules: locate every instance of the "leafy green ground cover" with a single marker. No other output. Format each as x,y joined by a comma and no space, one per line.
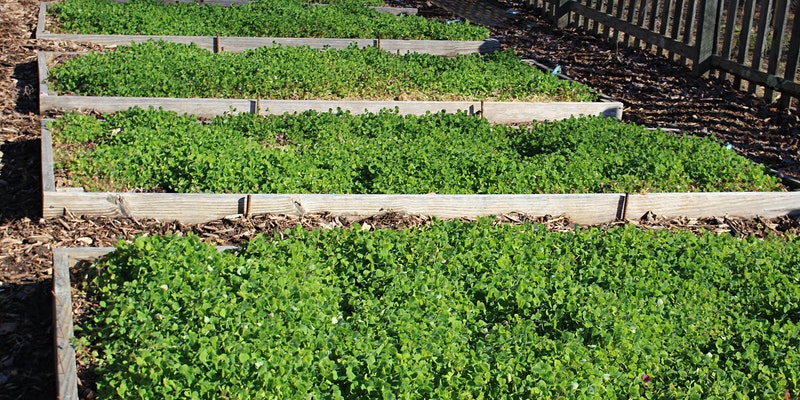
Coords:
450,310
389,153
162,69
269,18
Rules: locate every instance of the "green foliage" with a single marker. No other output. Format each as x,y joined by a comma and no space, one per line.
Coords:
161,69
268,18
450,310
388,153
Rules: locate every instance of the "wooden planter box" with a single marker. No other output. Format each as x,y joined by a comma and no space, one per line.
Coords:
585,209
495,112
237,44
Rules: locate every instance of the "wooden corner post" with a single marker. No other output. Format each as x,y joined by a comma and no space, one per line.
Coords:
706,36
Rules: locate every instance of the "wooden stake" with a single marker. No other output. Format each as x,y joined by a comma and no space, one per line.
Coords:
482,114
247,205
624,208
216,44
258,105
379,42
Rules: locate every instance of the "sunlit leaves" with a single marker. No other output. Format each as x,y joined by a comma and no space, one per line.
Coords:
388,153
269,18
450,310
162,69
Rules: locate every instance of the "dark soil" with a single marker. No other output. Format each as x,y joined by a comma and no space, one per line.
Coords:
656,92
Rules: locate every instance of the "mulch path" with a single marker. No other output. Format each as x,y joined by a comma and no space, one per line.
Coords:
655,92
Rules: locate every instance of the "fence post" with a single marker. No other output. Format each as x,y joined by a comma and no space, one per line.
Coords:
561,14
706,36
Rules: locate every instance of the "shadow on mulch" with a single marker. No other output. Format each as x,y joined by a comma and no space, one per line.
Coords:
27,75
27,369
20,180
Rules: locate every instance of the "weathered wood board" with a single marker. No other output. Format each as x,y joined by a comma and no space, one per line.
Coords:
495,112
732,204
236,44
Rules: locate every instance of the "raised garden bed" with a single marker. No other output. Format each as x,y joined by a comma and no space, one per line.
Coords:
716,166
214,42
354,79
451,308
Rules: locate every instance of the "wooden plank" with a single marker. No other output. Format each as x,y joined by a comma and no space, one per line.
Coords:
495,112
665,14
581,208
727,38
743,44
677,20
637,31
197,208
42,19
609,11
696,205
629,17
447,48
66,376
69,257
653,17
620,12
48,173
688,33
706,37
515,112
790,72
761,39
776,48
642,16
396,10
184,207
598,5
786,86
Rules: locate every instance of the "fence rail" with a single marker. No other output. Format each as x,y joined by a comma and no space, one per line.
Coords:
753,43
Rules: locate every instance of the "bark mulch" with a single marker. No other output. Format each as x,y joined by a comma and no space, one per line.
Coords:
656,92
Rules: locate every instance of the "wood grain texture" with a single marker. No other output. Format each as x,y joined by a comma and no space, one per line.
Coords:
188,208
194,208
696,205
66,376
581,208
48,173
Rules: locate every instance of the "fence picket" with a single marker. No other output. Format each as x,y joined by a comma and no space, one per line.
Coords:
792,59
727,40
743,43
761,39
776,48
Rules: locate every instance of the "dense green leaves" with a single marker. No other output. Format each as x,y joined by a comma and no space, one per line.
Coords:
451,310
269,18
161,69
388,153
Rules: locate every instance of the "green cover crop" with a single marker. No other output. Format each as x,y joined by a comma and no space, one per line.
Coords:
389,153
265,18
453,310
162,69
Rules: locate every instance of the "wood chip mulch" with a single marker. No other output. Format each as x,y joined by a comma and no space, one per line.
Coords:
655,91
